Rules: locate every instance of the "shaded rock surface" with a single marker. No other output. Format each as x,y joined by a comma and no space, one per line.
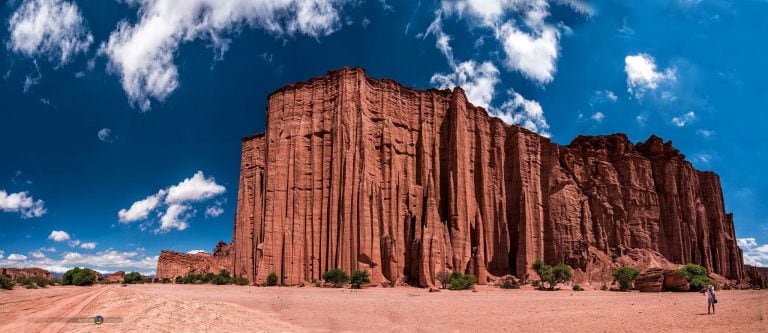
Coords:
757,276
675,281
171,264
116,277
650,280
358,173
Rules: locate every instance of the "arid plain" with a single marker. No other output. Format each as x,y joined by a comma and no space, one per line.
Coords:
197,308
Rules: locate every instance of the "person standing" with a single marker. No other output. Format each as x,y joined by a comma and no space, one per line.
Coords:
711,299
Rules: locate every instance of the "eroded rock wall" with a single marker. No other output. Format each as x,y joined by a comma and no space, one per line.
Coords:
356,173
171,264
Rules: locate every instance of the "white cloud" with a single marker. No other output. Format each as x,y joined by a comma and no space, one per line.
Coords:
139,210
196,251
527,113
598,117
705,133
16,257
1,254
105,135
21,203
173,218
214,211
605,96
143,53
52,28
684,119
642,74
74,243
88,245
477,80
531,45
176,200
58,236
197,188
104,261
37,254
703,158
754,253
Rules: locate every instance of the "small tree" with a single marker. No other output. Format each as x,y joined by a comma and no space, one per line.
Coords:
458,281
133,278
625,275
561,273
79,277
443,277
6,282
272,279
241,281
359,278
696,276
336,276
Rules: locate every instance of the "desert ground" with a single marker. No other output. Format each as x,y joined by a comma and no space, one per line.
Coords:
204,308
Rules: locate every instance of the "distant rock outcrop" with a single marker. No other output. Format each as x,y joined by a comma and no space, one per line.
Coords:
14,273
357,173
757,276
115,277
172,264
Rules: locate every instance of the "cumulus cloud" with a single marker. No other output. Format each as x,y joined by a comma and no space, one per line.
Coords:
214,211
21,203
106,261
477,80
197,188
139,210
88,245
527,113
196,251
36,254
598,117
59,236
754,254
1,254
682,120
531,45
643,75
51,28
105,135
177,202
142,53
16,257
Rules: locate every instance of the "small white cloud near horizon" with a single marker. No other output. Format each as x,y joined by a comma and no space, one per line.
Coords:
51,28
106,261
16,257
196,251
643,75
177,202
88,245
21,203
59,236
682,120
754,254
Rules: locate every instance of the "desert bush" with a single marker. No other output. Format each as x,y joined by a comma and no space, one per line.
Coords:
696,276
133,278
178,279
272,279
443,277
241,281
40,281
458,281
625,275
359,278
6,282
560,273
30,286
219,279
509,282
79,277
336,277
165,280
577,287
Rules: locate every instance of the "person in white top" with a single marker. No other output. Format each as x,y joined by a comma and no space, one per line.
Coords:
711,299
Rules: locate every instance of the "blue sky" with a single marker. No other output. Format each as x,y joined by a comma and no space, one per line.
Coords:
121,120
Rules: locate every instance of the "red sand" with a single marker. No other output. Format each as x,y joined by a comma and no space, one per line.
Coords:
193,308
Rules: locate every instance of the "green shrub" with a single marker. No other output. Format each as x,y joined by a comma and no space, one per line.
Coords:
560,273
79,277
577,287
133,278
6,282
179,279
458,281
220,279
41,281
272,279
696,276
30,286
625,275
359,278
241,281
336,277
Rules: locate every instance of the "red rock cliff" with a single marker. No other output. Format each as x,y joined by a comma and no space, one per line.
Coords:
358,173
171,264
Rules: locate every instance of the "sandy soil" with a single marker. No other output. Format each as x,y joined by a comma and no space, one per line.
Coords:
197,308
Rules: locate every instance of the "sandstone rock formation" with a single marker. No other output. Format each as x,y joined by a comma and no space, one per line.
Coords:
115,277
757,276
171,264
650,280
14,273
675,281
357,173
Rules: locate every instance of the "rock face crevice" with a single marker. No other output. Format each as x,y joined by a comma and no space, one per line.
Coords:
357,173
